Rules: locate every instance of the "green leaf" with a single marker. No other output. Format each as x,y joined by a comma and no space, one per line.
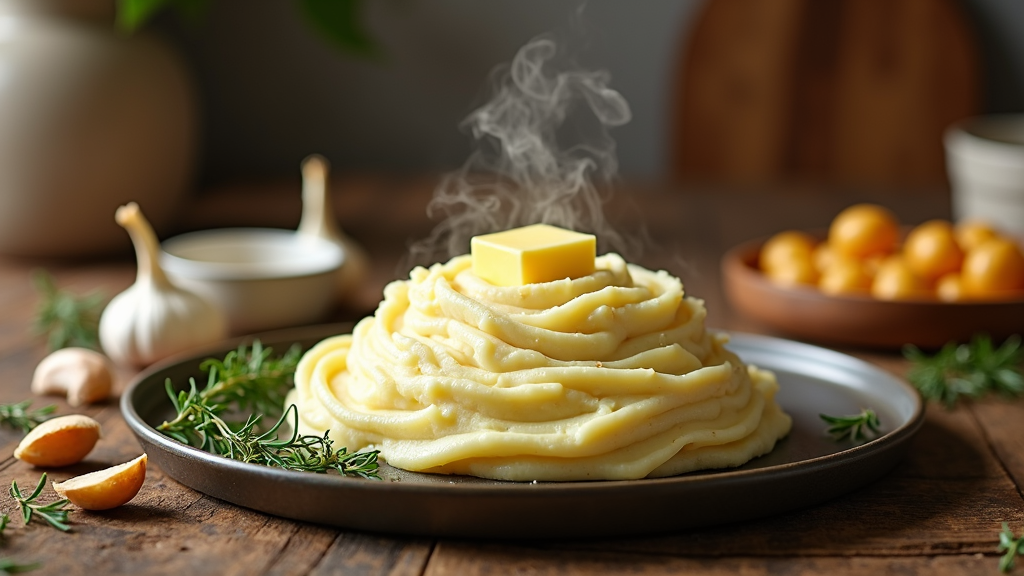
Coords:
8,566
340,21
66,319
19,417
968,370
53,513
857,426
1010,545
133,14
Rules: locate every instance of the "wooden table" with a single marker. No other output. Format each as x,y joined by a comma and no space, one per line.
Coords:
939,512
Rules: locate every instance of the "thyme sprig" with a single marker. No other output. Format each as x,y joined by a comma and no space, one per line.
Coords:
53,513
19,417
968,370
856,427
1011,545
65,318
251,379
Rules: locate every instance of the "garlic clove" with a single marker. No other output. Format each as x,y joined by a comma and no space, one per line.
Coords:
107,488
84,376
153,318
60,441
318,220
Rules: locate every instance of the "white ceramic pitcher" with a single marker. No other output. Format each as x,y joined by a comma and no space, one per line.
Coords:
89,120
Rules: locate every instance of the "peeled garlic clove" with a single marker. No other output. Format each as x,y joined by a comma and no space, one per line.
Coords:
318,220
105,489
60,441
154,318
84,376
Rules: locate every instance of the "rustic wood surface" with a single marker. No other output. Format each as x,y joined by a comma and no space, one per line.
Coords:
939,512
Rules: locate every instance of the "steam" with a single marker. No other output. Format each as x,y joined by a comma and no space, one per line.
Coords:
531,165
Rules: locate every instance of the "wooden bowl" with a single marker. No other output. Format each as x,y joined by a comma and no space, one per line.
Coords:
807,313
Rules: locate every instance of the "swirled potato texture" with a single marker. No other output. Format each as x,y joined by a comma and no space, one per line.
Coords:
608,376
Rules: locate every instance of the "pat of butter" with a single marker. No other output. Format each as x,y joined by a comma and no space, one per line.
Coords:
531,254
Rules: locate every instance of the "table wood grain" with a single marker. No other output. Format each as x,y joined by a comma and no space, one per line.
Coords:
939,512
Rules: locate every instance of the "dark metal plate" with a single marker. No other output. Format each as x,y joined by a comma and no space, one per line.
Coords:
805,468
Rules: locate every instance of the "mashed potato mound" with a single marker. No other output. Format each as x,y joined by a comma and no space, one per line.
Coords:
608,376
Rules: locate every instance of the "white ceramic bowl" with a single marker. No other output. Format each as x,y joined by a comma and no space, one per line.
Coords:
262,278
985,158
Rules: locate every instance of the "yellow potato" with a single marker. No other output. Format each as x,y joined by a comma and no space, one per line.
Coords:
864,230
845,276
896,281
950,288
794,272
993,270
822,256
931,250
782,249
973,233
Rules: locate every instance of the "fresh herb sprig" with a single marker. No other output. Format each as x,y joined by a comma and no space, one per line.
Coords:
65,318
968,370
19,417
8,566
251,379
53,513
1009,544
305,453
856,427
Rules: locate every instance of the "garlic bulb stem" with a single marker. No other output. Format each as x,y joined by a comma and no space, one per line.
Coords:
318,220
317,216
147,248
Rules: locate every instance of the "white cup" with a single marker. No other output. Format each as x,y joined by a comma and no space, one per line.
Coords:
985,159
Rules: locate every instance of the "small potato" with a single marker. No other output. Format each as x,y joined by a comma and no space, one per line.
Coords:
845,277
896,281
931,250
973,233
105,489
799,271
782,249
864,230
61,441
823,256
950,288
993,270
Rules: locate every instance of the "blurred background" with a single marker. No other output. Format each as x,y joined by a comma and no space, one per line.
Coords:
232,98
273,90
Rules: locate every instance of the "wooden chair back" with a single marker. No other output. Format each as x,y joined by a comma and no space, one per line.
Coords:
852,91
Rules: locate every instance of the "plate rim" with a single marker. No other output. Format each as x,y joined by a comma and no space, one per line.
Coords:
854,453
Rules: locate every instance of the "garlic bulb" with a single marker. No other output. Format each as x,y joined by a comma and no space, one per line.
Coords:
318,220
154,318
